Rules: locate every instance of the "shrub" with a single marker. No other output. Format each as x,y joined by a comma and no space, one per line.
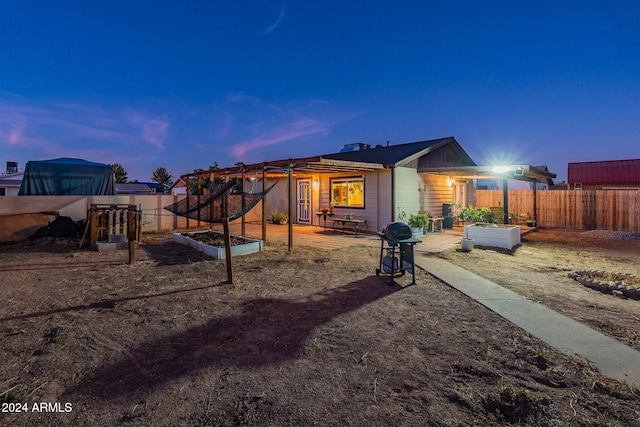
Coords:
279,217
418,220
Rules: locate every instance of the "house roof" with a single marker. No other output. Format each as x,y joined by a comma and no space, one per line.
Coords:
396,155
363,159
138,187
11,179
607,171
366,158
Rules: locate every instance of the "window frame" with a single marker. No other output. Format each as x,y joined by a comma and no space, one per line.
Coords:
347,179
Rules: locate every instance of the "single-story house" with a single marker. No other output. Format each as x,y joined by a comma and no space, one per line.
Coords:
10,183
602,175
139,188
377,184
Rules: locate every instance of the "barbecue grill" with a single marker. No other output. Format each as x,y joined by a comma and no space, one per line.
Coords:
396,251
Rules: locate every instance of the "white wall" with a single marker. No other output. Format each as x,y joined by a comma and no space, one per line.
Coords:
408,189
385,209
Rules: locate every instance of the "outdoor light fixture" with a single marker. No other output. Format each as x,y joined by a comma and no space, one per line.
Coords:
500,169
316,185
450,181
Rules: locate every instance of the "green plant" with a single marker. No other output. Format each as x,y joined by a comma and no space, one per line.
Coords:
472,214
279,217
401,216
418,220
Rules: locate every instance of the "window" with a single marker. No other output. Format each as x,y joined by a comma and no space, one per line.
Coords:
348,192
3,191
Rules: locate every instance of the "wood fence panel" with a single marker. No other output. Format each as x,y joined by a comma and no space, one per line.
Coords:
617,210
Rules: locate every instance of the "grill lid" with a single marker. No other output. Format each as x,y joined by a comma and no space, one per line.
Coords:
396,231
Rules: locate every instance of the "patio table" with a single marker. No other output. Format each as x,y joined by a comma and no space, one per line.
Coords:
324,215
357,223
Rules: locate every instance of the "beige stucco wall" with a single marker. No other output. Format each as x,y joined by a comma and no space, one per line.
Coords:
154,216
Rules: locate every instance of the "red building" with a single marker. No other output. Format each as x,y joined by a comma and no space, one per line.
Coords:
607,174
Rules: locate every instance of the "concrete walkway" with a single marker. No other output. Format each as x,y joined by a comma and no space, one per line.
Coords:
613,358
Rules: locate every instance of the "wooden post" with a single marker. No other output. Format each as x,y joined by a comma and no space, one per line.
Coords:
535,201
93,219
199,186
264,204
188,194
290,201
505,198
244,231
131,234
227,249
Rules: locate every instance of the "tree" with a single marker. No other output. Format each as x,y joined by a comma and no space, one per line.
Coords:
161,176
119,173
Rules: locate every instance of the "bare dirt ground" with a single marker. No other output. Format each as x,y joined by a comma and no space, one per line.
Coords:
311,337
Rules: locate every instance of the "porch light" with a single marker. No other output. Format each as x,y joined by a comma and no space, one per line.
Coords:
450,181
500,169
316,185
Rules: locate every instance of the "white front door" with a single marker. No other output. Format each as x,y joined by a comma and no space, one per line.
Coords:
303,201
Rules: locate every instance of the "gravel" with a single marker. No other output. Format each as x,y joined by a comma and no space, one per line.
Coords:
613,235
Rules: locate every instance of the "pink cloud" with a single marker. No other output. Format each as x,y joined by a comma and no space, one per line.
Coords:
155,132
152,130
282,134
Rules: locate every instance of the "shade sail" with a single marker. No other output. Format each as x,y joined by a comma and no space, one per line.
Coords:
216,202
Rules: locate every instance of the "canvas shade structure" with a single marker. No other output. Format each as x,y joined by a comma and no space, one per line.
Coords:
67,177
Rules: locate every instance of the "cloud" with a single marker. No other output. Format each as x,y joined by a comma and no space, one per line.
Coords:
152,130
283,133
275,25
69,125
287,129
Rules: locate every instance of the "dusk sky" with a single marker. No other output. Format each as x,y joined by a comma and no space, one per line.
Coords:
184,84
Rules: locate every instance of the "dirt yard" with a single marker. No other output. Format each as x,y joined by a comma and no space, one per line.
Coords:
307,338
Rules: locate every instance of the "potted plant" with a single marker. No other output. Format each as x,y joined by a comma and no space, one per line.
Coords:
279,217
401,216
417,223
350,215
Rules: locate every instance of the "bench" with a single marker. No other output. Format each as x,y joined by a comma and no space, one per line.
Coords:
357,224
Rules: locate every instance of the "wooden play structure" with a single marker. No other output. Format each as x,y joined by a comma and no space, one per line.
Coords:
106,220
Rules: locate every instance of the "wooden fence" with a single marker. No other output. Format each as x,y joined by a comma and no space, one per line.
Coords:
617,210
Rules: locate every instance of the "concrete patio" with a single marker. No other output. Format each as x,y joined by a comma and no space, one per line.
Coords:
319,237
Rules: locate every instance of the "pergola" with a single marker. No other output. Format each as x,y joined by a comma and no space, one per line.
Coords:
281,169
507,172
317,164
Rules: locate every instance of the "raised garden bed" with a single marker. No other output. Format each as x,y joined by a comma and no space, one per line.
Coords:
212,243
501,236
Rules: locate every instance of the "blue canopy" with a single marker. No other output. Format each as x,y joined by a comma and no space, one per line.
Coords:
67,177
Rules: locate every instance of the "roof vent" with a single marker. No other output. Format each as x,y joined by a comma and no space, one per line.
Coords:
357,146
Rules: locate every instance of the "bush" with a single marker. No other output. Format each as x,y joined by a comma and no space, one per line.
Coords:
472,214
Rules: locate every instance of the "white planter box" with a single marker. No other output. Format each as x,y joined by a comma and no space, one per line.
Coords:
250,247
500,236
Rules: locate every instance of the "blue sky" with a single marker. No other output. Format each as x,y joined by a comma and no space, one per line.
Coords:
184,84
